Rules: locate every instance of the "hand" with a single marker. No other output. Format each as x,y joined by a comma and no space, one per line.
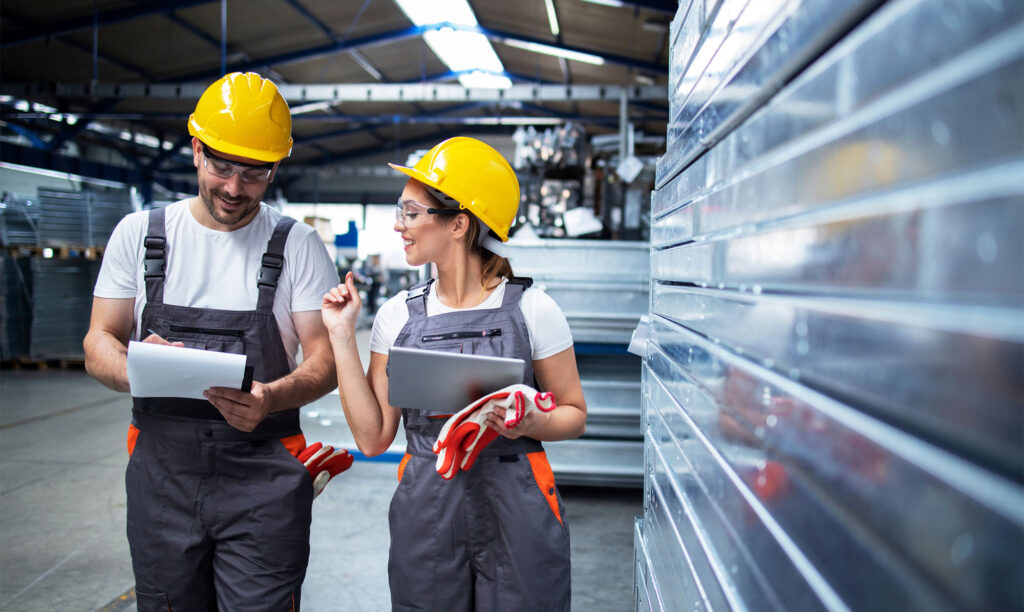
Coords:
243,411
340,309
156,339
468,431
526,412
324,463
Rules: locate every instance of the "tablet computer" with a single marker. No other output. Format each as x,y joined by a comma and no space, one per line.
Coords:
446,382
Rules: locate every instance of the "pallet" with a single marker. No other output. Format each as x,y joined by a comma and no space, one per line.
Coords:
25,363
55,252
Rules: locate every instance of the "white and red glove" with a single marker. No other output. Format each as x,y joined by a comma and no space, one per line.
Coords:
324,463
465,434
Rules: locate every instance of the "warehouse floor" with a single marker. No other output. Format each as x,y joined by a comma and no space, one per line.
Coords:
62,522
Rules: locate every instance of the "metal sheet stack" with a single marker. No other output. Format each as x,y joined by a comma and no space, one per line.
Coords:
61,304
19,220
834,379
15,307
602,288
80,218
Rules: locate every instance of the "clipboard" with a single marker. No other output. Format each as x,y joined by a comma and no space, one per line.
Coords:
438,381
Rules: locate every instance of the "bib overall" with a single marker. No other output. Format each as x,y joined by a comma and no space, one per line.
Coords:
494,538
217,517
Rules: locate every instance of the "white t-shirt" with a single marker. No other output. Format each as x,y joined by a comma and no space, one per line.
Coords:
207,268
549,331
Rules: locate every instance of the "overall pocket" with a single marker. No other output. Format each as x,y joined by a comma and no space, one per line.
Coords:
210,339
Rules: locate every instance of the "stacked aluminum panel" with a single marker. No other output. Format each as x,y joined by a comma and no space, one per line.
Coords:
61,304
834,379
80,218
19,220
15,307
602,288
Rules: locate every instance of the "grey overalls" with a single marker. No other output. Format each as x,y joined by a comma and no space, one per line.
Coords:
494,538
216,517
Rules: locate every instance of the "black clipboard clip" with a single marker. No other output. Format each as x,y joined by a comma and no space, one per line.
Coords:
247,379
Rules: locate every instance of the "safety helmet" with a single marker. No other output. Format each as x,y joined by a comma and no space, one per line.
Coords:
245,115
476,176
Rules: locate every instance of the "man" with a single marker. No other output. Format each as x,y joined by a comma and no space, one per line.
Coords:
218,504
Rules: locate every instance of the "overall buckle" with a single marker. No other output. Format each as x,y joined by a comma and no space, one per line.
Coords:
270,270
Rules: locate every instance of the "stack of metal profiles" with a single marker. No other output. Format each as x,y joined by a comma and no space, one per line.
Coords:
65,218
61,303
833,381
15,307
105,210
19,220
602,288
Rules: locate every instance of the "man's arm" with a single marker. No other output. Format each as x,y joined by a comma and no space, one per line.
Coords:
106,343
313,378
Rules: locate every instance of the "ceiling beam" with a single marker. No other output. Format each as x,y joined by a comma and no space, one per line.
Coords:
355,92
86,22
383,38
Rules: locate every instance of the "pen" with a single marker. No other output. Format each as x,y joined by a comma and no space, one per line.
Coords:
153,332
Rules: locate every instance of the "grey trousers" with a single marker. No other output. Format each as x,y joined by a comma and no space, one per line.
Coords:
215,521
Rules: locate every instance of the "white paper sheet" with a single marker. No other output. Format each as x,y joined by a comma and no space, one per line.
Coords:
160,370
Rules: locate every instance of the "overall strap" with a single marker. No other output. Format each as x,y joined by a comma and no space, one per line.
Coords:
514,289
155,260
416,300
272,264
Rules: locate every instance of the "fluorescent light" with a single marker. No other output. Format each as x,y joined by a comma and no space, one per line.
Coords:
552,17
615,3
512,121
481,79
556,51
462,51
311,107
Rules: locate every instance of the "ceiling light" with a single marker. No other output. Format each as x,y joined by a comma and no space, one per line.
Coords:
437,11
556,51
552,17
615,3
481,79
312,107
461,50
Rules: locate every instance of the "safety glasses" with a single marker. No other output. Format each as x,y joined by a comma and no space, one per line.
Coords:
223,168
411,213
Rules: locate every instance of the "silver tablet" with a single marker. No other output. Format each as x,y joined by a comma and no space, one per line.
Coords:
446,382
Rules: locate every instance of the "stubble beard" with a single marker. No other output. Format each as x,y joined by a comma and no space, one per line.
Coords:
249,205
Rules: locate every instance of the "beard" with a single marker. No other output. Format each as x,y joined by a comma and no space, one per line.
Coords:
248,204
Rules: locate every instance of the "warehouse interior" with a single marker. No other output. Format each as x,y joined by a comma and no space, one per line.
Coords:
784,233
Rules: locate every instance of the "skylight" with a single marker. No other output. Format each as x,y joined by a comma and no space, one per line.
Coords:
469,53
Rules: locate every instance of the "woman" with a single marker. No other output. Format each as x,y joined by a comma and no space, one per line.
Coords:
493,537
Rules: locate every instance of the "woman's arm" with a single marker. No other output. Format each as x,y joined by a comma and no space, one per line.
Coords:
364,397
557,374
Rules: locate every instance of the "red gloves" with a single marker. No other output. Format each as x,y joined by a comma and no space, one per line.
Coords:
465,434
324,463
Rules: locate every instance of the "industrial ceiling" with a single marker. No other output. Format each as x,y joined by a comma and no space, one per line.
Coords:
105,86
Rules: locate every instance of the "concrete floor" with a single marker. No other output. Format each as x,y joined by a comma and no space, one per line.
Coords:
62,509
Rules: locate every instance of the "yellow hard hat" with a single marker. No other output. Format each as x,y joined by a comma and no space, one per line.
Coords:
245,115
476,176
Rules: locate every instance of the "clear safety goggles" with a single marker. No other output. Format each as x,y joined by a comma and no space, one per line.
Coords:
411,213
223,168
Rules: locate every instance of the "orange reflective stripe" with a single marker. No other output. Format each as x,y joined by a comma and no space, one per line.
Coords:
295,444
133,436
401,466
545,480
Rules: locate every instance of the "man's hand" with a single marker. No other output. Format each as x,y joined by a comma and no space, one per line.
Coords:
156,339
243,411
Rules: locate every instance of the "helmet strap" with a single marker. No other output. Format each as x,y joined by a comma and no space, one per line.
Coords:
484,239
